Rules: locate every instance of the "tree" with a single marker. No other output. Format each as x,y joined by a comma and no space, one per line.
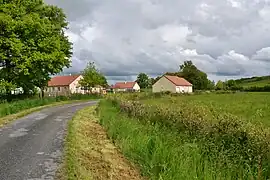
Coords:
152,81
92,77
143,80
211,85
33,45
220,85
191,73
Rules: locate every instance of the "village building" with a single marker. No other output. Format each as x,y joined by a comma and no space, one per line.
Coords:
64,85
126,87
173,84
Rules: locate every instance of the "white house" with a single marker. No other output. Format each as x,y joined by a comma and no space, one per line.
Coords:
126,86
62,85
173,84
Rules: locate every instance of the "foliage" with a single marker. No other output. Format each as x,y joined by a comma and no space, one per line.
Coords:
257,89
152,81
33,45
143,80
92,77
210,85
4,85
162,153
254,81
221,137
220,85
196,77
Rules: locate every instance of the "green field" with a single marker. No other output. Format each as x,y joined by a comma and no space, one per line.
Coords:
206,136
251,107
254,81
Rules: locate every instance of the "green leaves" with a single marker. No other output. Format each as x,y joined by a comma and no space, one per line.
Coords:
33,45
196,77
92,77
143,80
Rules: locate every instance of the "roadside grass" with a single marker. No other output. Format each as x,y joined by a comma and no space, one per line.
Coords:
14,110
165,153
89,154
6,119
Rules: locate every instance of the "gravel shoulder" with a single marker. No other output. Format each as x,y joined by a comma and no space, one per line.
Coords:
31,147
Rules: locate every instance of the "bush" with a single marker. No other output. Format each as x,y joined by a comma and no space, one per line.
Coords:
257,89
221,135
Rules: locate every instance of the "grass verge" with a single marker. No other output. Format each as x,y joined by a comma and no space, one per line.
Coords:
166,153
9,118
90,155
13,107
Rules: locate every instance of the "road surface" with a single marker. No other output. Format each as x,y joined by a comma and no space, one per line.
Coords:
31,147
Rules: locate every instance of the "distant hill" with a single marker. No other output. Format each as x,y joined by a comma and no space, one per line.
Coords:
254,81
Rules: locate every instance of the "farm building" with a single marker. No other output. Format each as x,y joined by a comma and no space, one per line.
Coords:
173,84
126,87
63,85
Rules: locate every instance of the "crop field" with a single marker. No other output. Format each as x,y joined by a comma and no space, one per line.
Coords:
206,136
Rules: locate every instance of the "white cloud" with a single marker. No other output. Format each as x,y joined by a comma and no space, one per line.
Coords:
124,37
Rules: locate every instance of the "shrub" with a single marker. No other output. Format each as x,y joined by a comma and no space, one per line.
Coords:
221,135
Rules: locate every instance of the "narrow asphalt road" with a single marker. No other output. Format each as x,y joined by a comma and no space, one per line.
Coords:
31,147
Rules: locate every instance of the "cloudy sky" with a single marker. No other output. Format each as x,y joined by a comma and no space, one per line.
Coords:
224,38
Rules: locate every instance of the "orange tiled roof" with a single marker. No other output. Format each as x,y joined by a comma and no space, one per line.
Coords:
62,80
124,85
178,81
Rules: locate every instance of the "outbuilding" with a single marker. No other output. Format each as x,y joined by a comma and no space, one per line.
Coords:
173,84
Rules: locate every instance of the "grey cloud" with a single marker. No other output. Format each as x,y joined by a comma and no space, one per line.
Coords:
76,10
262,55
125,37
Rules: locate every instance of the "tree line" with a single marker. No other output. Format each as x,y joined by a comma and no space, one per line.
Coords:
186,70
200,80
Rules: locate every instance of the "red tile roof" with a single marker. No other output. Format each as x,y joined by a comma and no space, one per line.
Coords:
62,80
178,81
124,85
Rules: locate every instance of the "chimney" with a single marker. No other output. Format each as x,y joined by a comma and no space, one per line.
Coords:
70,74
125,82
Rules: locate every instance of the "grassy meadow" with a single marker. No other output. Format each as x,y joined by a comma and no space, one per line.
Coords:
250,107
206,136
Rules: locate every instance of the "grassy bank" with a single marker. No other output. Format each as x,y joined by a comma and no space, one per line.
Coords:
17,106
163,153
211,143
89,154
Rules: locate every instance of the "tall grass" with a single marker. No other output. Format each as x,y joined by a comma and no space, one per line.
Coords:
17,106
164,153
225,144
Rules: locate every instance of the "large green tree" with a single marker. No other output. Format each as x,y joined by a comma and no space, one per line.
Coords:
195,76
143,80
92,77
33,44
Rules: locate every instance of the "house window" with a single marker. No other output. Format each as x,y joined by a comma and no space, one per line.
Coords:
58,88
